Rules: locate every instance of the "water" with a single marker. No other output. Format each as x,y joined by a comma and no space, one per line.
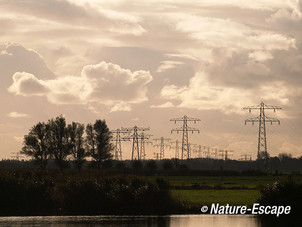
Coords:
169,220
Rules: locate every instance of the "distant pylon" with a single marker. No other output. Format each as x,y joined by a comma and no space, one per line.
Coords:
262,145
176,148
225,154
118,143
135,138
144,140
214,153
185,148
247,157
17,156
162,146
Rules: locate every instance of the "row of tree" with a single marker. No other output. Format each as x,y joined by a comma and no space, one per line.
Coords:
61,142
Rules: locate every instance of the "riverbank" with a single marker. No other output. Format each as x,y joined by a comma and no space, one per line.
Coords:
91,192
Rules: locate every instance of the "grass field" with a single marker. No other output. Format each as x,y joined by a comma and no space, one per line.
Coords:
223,197
235,190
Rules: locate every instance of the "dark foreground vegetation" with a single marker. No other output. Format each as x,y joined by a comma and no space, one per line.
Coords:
30,192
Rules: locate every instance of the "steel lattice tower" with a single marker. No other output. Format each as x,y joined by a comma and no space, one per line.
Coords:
246,157
176,148
118,143
185,148
144,140
214,153
262,145
162,146
135,138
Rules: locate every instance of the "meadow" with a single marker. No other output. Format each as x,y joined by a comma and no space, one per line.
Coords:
234,190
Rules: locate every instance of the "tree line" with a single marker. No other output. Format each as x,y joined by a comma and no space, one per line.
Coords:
63,142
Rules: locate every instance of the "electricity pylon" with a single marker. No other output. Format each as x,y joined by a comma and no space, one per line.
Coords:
176,147
262,146
17,156
185,148
118,143
206,152
247,157
135,138
214,153
156,155
225,154
192,148
144,140
162,146
199,151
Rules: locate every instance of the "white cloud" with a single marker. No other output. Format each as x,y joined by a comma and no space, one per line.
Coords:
164,105
202,95
104,83
120,107
166,65
259,55
17,115
27,84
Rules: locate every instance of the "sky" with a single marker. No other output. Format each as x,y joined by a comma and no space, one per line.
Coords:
145,62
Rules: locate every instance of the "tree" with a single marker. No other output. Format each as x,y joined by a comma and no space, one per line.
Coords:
60,145
76,131
98,143
151,165
36,144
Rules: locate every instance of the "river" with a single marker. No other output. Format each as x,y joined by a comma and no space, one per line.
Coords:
110,220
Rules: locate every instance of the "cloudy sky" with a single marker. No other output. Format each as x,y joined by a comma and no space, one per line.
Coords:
145,62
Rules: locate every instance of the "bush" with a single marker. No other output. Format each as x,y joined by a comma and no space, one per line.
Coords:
287,193
52,193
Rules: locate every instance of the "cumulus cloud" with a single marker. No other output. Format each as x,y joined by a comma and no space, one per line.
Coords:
17,115
27,84
104,83
115,84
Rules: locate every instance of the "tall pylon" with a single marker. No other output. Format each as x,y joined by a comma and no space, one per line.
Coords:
262,118
143,141
185,148
162,146
118,143
135,138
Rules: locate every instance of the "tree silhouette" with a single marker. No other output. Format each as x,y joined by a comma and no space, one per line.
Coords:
98,143
76,131
60,145
36,144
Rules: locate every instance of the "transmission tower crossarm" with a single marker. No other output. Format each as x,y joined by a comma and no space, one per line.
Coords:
253,120
271,120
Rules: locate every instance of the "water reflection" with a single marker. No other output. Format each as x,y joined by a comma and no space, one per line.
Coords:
171,220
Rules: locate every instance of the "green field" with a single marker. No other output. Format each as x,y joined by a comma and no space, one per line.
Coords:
235,190
223,197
